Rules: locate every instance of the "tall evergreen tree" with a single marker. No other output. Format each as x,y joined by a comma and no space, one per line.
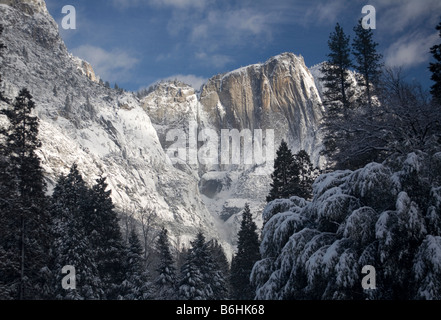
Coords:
367,60
106,238
284,174
72,245
306,175
349,142
136,285
338,95
219,269
247,255
338,92
166,281
24,204
435,68
194,283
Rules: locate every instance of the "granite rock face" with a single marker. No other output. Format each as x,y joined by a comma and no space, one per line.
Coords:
279,94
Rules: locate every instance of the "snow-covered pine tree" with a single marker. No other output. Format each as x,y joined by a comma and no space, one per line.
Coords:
427,269
247,255
435,68
106,239
219,269
166,282
367,61
26,238
72,248
72,245
191,286
194,283
136,285
218,254
370,216
285,174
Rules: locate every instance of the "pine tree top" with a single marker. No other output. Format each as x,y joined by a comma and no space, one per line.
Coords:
248,237
163,248
364,49
338,43
135,246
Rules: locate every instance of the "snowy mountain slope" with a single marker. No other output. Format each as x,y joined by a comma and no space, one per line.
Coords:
125,138
105,132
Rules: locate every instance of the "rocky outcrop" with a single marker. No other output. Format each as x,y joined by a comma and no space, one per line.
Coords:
87,70
27,6
169,103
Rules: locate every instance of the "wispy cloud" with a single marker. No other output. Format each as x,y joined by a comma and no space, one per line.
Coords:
213,59
211,31
178,4
410,50
324,12
124,4
399,15
403,24
230,27
110,65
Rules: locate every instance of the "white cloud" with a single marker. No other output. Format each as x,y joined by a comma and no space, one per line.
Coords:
410,50
163,57
220,28
248,22
114,65
123,4
215,60
324,12
399,15
178,4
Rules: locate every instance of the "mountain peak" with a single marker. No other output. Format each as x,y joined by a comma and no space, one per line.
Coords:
28,6
288,56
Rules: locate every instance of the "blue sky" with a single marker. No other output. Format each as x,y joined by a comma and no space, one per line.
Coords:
138,42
